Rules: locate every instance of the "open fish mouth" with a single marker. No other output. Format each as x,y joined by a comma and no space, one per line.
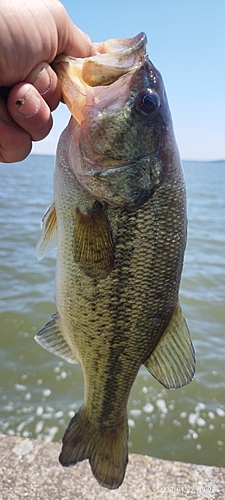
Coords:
113,59
117,57
95,73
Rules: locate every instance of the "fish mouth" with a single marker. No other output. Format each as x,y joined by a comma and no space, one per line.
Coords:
79,76
118,57
112,52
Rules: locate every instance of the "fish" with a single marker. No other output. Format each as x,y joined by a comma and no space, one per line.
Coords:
119,222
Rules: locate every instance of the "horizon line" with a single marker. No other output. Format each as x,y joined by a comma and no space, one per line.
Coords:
218,160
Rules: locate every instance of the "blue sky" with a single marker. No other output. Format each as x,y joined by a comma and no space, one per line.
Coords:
186,42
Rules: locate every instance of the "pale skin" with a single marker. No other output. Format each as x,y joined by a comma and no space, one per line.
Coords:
32,33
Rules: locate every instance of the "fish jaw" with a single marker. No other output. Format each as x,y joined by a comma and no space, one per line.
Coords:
78,76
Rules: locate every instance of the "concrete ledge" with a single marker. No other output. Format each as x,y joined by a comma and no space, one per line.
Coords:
30,469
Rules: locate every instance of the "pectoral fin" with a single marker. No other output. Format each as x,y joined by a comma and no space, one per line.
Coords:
51,338
93,244
47,240
172,362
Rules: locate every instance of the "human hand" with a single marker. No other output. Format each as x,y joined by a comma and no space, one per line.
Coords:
31,35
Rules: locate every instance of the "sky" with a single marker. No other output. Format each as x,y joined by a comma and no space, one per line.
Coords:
186,42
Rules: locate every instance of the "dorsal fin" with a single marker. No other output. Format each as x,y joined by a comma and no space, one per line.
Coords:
172,362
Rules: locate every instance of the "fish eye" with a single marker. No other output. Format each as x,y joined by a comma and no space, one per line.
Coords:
148,101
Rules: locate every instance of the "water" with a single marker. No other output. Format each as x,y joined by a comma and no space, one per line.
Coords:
39,393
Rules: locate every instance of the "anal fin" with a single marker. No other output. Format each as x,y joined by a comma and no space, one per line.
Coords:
172,362
51,338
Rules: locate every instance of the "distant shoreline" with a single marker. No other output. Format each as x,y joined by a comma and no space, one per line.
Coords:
183,160
204,161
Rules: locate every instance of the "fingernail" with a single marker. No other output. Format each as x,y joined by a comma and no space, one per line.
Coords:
42,82
29,104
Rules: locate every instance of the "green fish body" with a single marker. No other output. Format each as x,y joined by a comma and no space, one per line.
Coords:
119,222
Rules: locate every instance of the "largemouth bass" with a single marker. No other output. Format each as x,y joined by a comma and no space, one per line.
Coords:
119,222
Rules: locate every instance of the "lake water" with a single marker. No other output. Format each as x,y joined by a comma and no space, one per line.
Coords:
39,393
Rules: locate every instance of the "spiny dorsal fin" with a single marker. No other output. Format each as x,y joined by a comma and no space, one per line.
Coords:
51,338
93,244
47,240
172,362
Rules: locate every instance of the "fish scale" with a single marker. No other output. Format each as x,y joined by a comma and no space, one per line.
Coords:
119,221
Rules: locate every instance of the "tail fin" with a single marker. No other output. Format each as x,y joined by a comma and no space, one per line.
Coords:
106,448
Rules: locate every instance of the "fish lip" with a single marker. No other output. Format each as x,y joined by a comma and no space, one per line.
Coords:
136,43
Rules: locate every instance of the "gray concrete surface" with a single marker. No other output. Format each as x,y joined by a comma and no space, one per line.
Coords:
30,470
